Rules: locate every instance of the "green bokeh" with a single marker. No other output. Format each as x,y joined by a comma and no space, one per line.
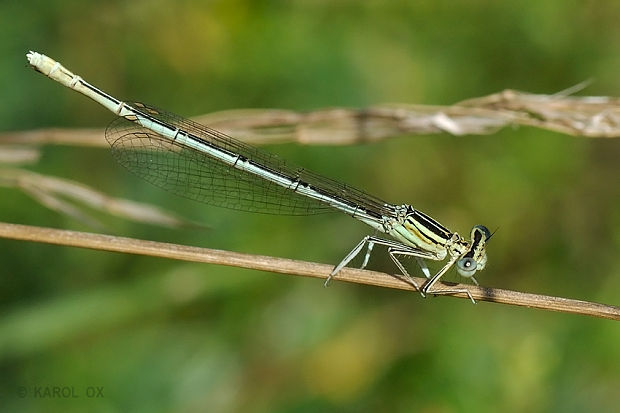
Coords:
161,336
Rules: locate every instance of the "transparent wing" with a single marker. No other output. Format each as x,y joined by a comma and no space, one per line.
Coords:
192,174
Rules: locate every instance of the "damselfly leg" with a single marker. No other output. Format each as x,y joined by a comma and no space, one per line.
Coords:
428,287
394,249
420,261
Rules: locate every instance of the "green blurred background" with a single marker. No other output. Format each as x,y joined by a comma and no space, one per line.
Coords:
160,335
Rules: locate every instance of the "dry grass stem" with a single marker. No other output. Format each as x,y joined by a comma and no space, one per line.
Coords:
588,116
18,155
292,267
64,196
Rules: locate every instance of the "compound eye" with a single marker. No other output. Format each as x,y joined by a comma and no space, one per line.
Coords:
467,266
484,230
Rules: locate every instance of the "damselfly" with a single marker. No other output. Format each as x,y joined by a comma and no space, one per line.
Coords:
200,163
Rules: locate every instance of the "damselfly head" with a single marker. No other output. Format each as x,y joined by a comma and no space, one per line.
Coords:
475,259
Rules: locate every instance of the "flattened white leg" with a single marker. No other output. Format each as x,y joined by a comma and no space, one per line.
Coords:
423,267
411,252
428,287
394,248
371,244
347,259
